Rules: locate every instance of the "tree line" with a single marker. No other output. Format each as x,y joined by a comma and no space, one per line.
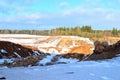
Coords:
34,32
84,31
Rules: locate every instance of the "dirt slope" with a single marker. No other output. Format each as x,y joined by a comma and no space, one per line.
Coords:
12,50
52,44
66,44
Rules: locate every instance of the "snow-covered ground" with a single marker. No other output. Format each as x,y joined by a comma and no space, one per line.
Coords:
24,39
84,70
19,36
51,44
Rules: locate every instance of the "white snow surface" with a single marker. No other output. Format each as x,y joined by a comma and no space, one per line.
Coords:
17,54
47,59
8,60
2,61
20,35
49,47
25,39
68,60
36,52
84,70
3,51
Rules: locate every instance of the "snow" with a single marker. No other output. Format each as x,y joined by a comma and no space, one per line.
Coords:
42,50
17,55
2,61
86,39
65,50
46,41
85,70
25,39
73,70
68,60
54,42
8,60
60,59
52,50
19,35
47,59
3,51
36,52
19,48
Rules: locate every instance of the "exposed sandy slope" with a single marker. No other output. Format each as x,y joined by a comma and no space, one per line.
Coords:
52,44
110,40
113,39
66,44
56,44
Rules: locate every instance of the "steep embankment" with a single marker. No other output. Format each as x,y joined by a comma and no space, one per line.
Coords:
12,50
66,44
110,40
25,56
52,44
27,53
105,51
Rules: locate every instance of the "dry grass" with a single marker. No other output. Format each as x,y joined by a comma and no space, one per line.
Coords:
111,40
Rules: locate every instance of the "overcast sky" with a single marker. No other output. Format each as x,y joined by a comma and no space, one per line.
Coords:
47,14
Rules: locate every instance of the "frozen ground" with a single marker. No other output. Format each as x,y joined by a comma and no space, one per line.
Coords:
49,44
85,70
24,39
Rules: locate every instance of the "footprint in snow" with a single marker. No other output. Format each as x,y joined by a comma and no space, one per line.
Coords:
105,78
92,74
69,73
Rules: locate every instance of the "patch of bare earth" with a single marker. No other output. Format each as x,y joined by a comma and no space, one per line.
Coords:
31,47
82,50
52,44
13,50
110,40
67,44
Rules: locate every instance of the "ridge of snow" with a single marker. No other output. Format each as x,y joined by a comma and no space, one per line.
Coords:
36,52
8,60
47,59
3,51
31,40
68,60
19,35
50,57
17,54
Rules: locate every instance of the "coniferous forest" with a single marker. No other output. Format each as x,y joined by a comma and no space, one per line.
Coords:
84,31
